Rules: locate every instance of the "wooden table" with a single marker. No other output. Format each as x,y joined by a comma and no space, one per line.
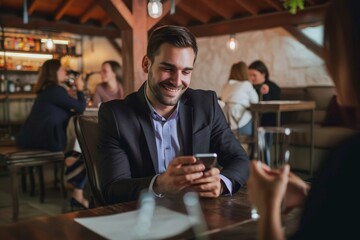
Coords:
283,106
227,218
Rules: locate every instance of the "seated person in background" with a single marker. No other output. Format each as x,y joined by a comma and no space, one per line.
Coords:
266,89
147,141
332,202
111,86
238,93
45,127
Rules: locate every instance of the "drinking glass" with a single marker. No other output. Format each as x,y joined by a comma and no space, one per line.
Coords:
274,151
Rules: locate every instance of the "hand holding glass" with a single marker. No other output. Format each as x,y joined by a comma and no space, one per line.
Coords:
274,150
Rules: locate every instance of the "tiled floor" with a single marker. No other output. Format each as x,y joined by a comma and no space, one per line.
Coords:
30,206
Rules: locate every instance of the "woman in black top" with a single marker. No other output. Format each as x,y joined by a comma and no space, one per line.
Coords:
45,127
266,89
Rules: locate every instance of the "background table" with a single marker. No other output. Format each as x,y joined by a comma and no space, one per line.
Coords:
283,106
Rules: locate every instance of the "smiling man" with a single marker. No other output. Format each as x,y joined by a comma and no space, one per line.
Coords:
147,140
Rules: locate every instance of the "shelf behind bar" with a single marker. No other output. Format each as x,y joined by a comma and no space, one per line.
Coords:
20,96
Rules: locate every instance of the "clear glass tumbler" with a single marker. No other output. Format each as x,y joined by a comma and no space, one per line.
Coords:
274,150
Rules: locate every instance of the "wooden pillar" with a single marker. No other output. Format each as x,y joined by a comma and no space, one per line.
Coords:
134,43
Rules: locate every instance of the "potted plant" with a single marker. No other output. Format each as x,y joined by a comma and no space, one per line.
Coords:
294,5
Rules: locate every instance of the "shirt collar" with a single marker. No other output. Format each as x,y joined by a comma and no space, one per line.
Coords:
157,116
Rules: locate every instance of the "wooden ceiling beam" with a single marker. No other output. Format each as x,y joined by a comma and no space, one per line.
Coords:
84,17
301,37
194,13
118,12
248,6
63,8
252,23
181,21
105,21
216,6
32,7
311,2
151,22
16,22
275,4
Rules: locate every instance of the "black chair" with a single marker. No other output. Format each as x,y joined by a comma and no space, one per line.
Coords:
86,133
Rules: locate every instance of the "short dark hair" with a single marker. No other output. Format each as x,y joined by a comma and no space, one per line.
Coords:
175,35
261,67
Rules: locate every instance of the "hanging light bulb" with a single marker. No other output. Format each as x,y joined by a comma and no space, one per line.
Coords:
155,8
49,44
232,43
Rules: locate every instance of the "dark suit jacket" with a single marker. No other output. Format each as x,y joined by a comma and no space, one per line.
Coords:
127,146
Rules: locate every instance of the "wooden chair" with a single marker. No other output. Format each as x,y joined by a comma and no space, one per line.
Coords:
247,140
86,133
15,158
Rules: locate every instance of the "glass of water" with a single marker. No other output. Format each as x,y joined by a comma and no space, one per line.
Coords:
274,151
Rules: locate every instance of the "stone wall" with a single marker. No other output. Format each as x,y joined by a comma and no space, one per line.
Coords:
290,63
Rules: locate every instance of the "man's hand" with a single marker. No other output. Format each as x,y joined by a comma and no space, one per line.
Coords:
209,185
180,174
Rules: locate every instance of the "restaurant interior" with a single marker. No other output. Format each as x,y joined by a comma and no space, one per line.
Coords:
84,34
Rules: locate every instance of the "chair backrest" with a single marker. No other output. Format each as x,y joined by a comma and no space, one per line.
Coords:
86,133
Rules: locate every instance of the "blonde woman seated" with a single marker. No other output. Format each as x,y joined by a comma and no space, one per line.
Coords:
238,93
111,86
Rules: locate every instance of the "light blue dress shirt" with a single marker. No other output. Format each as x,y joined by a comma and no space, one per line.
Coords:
168,143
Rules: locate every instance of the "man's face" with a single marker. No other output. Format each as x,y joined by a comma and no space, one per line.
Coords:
169,75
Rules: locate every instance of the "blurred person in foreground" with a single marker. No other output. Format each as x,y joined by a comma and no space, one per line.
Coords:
332,205
147,140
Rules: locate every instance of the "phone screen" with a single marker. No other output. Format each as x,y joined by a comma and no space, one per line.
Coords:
208,159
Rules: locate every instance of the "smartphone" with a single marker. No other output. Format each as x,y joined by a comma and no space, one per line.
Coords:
208,159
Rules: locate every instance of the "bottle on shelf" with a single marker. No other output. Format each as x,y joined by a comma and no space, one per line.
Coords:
37,45
18,85
11,86
9,63
16,43
2,83
31,44
2,62
25,45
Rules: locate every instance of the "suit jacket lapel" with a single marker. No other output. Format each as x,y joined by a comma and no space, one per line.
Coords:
186,118
146,124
